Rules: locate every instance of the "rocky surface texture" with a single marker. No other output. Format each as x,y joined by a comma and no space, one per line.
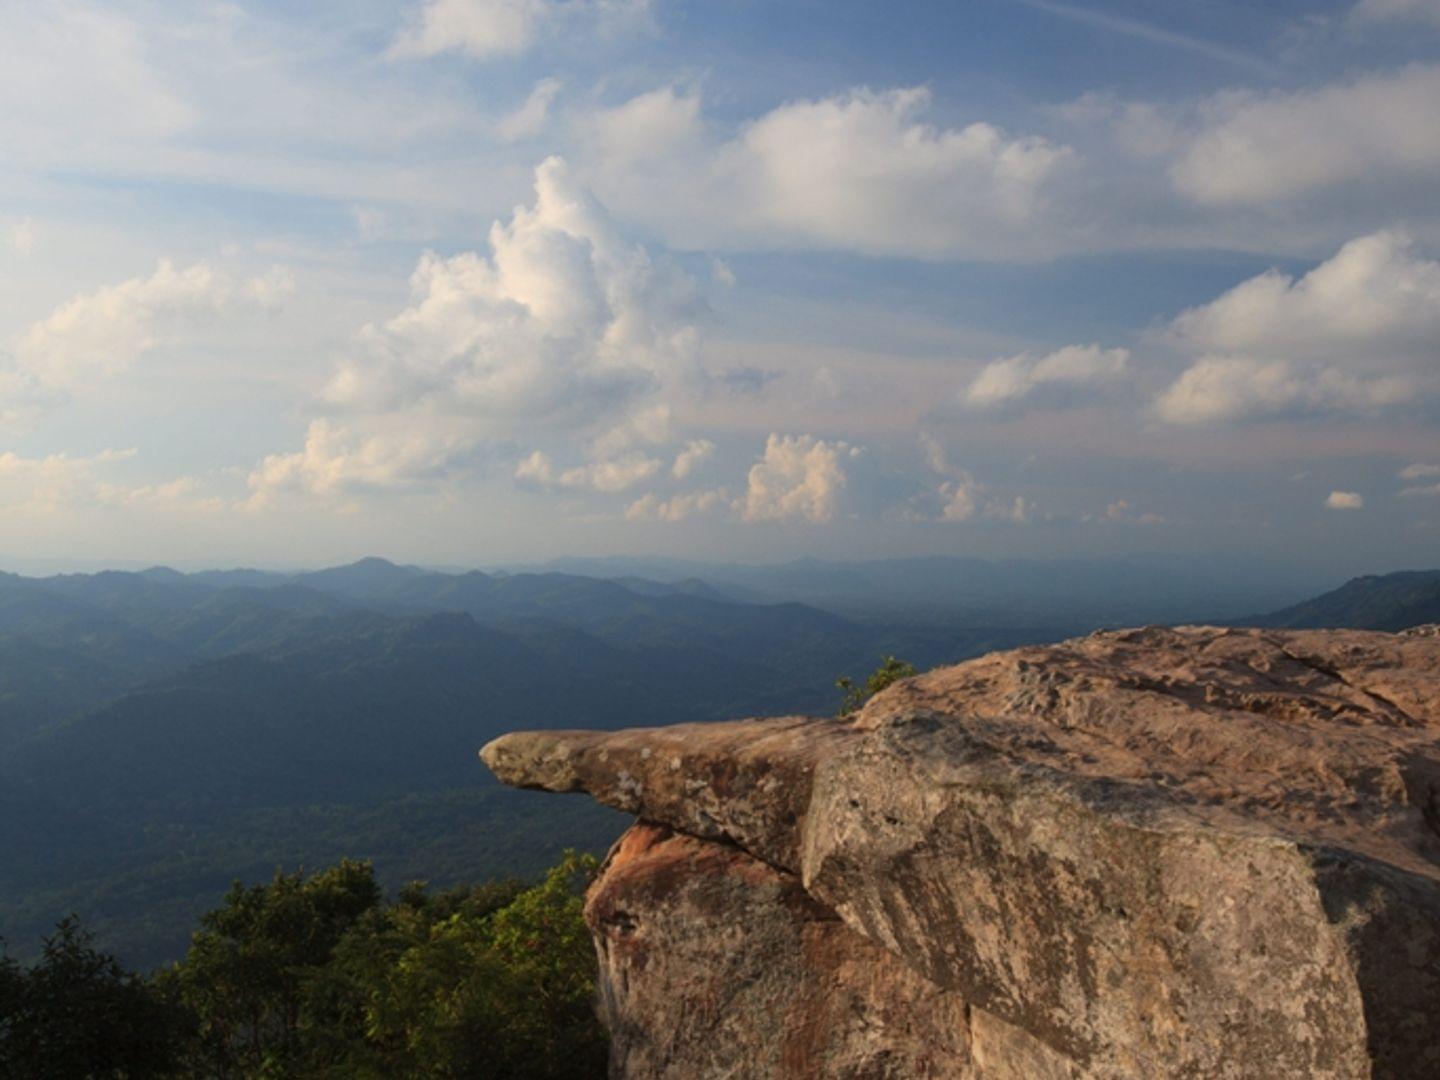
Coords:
1188,852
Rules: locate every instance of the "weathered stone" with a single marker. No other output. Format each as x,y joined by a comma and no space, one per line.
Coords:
746,781
715,964
1190,852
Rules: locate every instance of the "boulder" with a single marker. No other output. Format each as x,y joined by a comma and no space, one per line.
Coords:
1189,852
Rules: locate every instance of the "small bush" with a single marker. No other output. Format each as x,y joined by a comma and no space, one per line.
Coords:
890,671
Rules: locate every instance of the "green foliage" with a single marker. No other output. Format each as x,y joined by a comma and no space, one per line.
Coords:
473,986
315,977
76,1015
890,671
248,970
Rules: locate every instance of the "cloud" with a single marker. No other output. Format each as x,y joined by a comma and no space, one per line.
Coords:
679,507
1017,512
1397,11
960,495
1075,369
1257,148
799,477
1357,333
484,29
111,93
1420,471
1223,389
339,460
1151,34
1121,510
1344,500
532,117
185,492
50,483
564,331
650,128
102,334
537,469
695,454
60,483
859,171
618,474
564,323
1374,293
960,500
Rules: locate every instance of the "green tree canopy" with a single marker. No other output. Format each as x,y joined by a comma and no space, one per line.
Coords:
317,977
77,1015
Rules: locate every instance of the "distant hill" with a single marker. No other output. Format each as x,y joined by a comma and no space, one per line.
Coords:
1078,593
1375,602
162,733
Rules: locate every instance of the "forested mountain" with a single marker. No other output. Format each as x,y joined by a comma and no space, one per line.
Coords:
1374,602
162,734
977,592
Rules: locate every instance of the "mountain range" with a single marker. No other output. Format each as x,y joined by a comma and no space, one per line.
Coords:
1375,602
164,733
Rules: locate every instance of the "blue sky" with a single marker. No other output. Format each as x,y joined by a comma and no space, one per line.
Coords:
476,281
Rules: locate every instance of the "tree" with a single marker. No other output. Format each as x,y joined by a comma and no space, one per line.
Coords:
246,974
316,977
890,671
77,1015
497,990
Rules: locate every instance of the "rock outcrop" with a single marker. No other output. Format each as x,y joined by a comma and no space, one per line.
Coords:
1187,852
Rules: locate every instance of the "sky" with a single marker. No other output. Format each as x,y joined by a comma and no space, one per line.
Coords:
471,282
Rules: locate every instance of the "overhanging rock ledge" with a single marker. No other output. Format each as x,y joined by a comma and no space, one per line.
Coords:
1187,852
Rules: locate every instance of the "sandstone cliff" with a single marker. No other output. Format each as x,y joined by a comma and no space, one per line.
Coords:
1188,852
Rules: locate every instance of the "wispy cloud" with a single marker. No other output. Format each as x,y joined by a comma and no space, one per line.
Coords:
1158,35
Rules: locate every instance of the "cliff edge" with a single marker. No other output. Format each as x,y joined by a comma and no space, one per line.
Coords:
1190,852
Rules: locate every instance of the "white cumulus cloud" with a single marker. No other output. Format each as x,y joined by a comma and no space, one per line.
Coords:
103,333
799,477
859,171
533,116
959,500
1359,332
1345,500
485,29
609,475
338,459
563,330
1254,148
563,319
1220,389
616,474
1075,368
695,453
66,483
56,481
679,507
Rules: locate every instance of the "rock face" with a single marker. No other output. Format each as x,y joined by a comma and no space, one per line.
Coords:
1187,852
